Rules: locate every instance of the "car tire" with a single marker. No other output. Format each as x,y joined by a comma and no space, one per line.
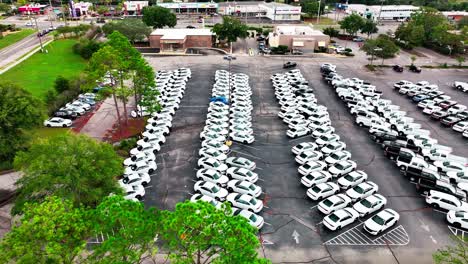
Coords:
64,125
245,142
151,171
360,124
144,184
138,197
436,206
457,225
402,168
48,125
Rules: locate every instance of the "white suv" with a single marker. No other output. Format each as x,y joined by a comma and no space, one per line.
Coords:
445,201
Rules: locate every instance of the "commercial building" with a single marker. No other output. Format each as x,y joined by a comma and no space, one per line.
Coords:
302,38
32,9
180,39
191,8
455,15
386,12
79,9
272,11
134,8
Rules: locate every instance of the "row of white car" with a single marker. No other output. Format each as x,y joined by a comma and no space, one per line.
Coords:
222,178
436,103
142,161
62,117
329,173
385,120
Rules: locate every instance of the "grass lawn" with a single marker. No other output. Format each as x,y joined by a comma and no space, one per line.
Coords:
38,73
15,37
45,132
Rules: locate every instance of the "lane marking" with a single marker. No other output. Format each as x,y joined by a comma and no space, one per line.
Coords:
356,237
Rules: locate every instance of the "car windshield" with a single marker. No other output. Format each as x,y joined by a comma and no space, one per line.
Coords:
251,187
378,220
306,166
335,156
359,189
349,178
253,201
316,189
366,203
340,166
334,218
253,218
215,189
215,176
328,203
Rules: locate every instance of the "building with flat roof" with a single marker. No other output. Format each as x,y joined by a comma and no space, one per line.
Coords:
191,8
180,39
302,38
32,9
455,15
386,12
134,8
272,11
80,9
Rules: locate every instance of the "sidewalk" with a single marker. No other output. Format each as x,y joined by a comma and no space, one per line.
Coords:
105,117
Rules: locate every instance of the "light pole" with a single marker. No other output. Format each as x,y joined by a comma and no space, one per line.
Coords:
318,13
52,10
39,34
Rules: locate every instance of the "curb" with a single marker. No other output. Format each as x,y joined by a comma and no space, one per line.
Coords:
24,57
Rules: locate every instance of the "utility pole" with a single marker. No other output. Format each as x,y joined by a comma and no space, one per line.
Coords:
51,10
380,11
318,13
39,34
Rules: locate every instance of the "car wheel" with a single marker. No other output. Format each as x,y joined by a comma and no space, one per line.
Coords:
436,206
48,125
393,127
360,124
138,197
402,168
64,125
245,142
378,140
457,225
151,171
144,184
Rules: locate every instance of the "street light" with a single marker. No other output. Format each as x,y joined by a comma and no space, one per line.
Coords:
229,59
318,13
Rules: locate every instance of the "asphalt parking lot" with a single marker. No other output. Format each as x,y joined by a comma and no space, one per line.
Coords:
293,232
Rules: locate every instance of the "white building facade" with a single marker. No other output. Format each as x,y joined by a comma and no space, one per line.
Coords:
386,12
281,12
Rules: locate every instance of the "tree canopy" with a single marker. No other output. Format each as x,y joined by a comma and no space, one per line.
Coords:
381,47
457,254
230,29
68,166
158,17
133,29
369,27
311,7
19,112
352,24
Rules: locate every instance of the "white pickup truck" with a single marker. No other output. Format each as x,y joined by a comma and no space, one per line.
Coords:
462,86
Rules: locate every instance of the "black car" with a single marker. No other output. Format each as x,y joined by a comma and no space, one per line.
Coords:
425,185
66,114
414,68
398,68
289,64
190,26
416,173
380,137
401,144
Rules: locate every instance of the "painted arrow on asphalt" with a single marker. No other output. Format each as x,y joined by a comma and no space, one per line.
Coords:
295,235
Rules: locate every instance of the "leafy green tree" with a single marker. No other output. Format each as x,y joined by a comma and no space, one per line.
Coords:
311,7
331,31
457,254
429,18
144,86
230,30
200,233
19,113
463,22
69,166
382,47
460,60
50,232
130,231
61,84
369,28
352,24
158,17
133,29
5,8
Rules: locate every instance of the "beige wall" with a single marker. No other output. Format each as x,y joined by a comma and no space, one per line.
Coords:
191,41
310,42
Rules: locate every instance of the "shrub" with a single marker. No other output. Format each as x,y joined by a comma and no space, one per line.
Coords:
85,48
61,84
331,31
124,147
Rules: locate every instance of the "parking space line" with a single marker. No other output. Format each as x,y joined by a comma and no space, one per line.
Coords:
459,233
356,237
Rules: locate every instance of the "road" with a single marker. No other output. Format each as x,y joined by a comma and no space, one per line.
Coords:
293,233
15,51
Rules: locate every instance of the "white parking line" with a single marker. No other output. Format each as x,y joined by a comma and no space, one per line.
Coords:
356,237
459,233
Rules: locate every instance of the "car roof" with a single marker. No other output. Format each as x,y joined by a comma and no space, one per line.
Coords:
341,213
387,213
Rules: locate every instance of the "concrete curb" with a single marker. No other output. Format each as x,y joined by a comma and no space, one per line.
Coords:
25,56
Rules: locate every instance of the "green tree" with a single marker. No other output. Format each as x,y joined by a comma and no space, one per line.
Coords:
331,31
133,29
200,233
457,254
69,166
158,17
19,113
352,24
369,28
5,8
463,22
230,30
129,229
61,84
50,232
311,7
460,60
382,47
144,86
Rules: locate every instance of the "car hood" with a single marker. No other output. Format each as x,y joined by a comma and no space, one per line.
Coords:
371,225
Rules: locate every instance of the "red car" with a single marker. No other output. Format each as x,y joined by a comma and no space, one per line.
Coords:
447,104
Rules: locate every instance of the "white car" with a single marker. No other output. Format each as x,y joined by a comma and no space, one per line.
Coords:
297,131
211,189
460,127
212,135
57,122
156,130
332,147
381,221
144,147
215,144
338,156
311,166
362,190
340,218
212,163
212,153
333,203
133,192
446,166
352,179
253,219
342,167
200,197
136,179
146,166
309,155
154,144
243,137
315,178
213,176
141,156
445,201
323,190
458,218
242,174
298,149
245,201
244,187
370,204
154,139
240,163
323,131
79,104
327,139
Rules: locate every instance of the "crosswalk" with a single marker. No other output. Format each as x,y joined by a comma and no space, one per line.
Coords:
356,237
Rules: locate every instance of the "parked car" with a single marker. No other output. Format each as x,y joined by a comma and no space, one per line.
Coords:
381,221
57,122
289,64
414,68
397,68
340,218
